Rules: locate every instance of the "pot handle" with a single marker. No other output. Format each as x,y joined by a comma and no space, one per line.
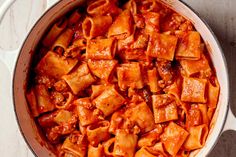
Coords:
7,57
230,123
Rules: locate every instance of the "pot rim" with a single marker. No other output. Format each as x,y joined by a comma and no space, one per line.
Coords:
226,68
14,77
181,1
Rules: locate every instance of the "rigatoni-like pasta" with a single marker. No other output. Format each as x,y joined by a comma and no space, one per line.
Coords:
152,24
132,6
95,151
62,42
96,26
164,108
151,137
148,6
86,112
75,144
109,101
54,65
153,80
162,46
98,89
192,67
101,49
125,144
109,147
32,100
102,68
44,103
123,79
173,138
63,116
189,47
54,32
98,132
144,152
122,26
74,17
102,7
213,93
141,115
197,137
79,79
194,90
129,75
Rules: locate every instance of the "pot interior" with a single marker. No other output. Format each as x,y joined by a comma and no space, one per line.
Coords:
26,122
219,63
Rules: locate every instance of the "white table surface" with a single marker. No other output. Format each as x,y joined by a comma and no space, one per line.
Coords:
220,15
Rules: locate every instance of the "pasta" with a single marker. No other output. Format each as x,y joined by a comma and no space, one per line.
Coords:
93,27
109,147
151,137
173,138
141,115
54,65
87,114
132,6
122,26
152,20
62,116
123,78
144,152
125,144
98,132
79,79
55,32
129,75
159,148
190,46
102,7
197,137
162,46
101,49
148,6
109,101
153,151
194,116
74,17
102,68
213,93
32,100
95,151
194,90
164,108
75,50
62,41
192,67
98,89
43,100
75,144
152,80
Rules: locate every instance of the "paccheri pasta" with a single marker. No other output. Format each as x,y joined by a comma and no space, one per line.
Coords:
127,79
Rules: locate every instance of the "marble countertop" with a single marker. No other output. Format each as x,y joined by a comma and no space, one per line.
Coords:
220,15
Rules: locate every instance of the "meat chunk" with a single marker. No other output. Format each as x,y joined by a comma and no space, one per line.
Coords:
165,71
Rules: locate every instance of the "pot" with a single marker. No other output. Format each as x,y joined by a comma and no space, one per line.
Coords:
18,63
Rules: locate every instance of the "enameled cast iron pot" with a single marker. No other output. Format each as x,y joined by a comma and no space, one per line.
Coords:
18,63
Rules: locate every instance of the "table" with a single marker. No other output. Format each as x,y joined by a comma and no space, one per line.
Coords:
220,15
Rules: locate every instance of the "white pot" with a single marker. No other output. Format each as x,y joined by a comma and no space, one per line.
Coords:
223,118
